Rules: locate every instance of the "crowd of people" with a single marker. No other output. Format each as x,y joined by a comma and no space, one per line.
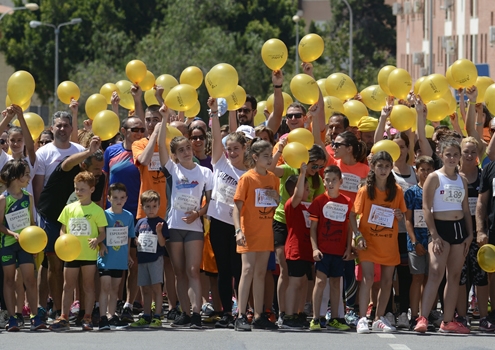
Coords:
216,224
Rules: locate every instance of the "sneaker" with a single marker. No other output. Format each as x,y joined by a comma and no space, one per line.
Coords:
140,323
95,315
53,315
74,308
103,325
351,318
280,320
250,316
207,309
291,322
241,324
26,311
486,325
335,324
263,322
155,323
214,317
412,324
403,321
153,307
37,323
60,324
453,327
362,326
303,319
225,322
390,318
195,322
435,317
463,320
308,308
137,308
476,312
383,325
172,314
368,311
127,315
4,318
421,324
182,320
13,325
116,323
20,319
42,314
323,322
87,324
120,307
271,316
234,306
314,325
328,315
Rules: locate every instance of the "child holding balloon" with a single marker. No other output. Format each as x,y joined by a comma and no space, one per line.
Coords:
16,213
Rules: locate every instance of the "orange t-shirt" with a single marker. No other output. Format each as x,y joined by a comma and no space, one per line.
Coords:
151,177
382,242
257,210
352,176
281,158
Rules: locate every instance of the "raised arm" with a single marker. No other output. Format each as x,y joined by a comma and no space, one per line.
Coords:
380,129
162,147
115,100
232,120
216,142
297,197
275,119
28,139
137,95
74,107
473,127
320,111
422,111
75,159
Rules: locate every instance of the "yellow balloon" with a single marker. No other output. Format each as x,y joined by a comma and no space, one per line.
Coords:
437,110
67,247
148,81
448,75
303,136
429,131
150,99
305,89
192,76
383,78
236,99
374,97
274,53
295,154
33,239
450,101
181,98
388,146
126,99
106,124
464,72
107,90
95,104
402,118
433,87
221,80
287,102
399,83
332,105
415,116
490,98
340,85
8,103
482,83
321,84
311,47
259,118
193,111
486,258
417,84
172,132
136,71
34,122
68,91
167,82
355,110
20,87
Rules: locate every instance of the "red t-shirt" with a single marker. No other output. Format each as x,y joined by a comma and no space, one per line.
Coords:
332,215
298,244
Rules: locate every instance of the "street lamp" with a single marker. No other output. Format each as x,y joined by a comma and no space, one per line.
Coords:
35,24
30,6
350,37
296,19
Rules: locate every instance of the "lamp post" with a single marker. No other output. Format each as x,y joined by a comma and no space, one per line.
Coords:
30,6
56,28
350,36
296,19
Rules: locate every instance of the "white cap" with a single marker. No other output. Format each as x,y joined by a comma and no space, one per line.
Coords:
247,130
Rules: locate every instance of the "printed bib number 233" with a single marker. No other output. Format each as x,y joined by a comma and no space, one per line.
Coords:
79,227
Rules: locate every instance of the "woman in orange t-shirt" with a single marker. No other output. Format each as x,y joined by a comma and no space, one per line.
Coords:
381,205
257,196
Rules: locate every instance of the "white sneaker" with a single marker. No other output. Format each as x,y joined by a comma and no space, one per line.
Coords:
390,318
362,326
4,318
383,325
403,321
308,308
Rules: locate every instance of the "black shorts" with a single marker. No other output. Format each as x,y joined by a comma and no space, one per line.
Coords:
79,263
14,254
452,232
111,273
279,233
299,268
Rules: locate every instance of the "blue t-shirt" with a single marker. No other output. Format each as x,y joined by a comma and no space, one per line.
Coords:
117,240
119,165
148,226
414,201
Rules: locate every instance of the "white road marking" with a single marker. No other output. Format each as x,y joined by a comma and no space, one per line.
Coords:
386,335
399,346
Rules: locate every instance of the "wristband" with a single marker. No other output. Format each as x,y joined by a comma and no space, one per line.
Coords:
472,103
478,124
213,113
277,86
237,231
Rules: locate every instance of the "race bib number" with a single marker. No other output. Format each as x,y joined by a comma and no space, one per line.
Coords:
147,242
419,218
79,227
154,165
264,199
381,216
453,194
350,182
117,236
225,194
185,202
472,205
306,214
335,211
18,220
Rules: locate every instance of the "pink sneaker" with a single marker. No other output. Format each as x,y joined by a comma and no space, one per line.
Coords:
454,327
75,307
26,311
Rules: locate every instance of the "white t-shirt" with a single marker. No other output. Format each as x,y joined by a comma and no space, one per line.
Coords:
4,158
225,178
186,194
49,156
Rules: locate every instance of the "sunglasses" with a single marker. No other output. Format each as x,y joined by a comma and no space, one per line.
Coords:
141,130
316,167
197,138
44,142
2,142
294,115
492,131
338,144
244,110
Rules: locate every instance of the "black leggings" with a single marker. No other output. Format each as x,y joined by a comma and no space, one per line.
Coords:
222,241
